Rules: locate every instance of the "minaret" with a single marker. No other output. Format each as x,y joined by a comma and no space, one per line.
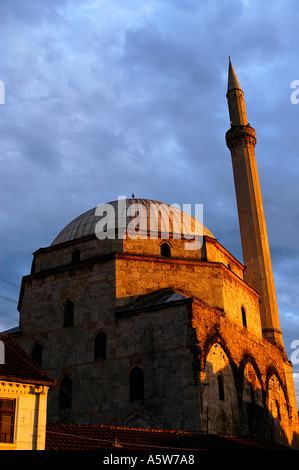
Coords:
241,140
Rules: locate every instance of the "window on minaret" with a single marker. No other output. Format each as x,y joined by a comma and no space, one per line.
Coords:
244,317
136,384
165,250
220,387
65,392
100,346
68,313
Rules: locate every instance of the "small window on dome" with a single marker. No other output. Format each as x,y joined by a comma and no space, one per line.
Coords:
76,256
165,250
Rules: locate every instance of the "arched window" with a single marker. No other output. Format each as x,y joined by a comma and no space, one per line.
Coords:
244,317
36,353
68,313
165,250
100,346
220,387
76,256
65,392
136,384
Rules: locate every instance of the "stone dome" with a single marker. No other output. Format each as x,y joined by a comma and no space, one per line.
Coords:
155,217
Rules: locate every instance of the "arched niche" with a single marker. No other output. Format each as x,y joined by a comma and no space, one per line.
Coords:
219,396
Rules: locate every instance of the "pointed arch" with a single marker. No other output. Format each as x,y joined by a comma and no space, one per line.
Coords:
247,357
165,250
219,396
138,418
224,422
271,372
76,256
278,409
275,388
214,337
250,373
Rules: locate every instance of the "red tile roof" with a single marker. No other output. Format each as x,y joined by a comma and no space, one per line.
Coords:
19,366
61,436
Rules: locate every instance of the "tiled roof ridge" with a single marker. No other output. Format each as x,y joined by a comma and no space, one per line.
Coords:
73,436
124,428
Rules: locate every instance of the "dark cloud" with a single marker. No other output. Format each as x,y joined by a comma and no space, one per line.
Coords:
30,13
105,98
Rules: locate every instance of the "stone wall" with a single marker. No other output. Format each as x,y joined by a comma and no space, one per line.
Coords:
61,255
212,283
243,359
179,348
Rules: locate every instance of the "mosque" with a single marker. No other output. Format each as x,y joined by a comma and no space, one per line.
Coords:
158,325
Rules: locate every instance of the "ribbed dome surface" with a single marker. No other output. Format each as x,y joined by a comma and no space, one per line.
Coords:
155,216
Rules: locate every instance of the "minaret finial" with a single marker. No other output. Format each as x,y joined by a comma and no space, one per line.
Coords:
235,99
233,82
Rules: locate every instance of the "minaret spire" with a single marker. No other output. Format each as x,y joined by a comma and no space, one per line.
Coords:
241,140
233,82
235,97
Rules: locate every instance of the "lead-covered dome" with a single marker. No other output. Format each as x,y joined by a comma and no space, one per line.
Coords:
155,217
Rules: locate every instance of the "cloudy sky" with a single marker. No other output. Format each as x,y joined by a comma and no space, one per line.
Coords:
108,97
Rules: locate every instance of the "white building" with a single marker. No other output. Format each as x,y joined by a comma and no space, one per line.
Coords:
23,399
